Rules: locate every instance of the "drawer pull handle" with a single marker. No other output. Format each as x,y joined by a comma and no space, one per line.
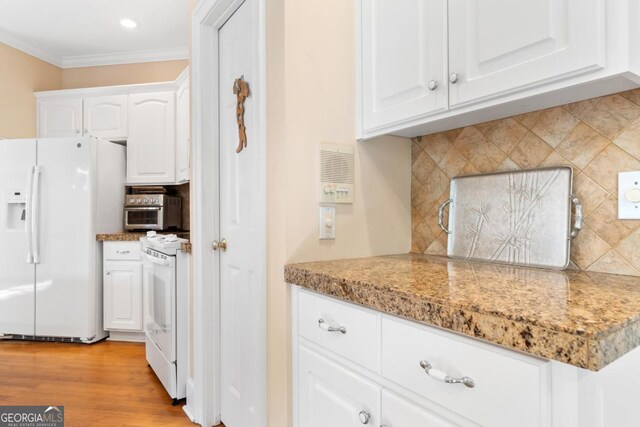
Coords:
441,376
123,252
325,326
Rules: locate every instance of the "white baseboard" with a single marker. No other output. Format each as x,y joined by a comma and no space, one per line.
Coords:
126,336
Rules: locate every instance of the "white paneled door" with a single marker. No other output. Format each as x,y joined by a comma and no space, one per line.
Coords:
541,40
241,303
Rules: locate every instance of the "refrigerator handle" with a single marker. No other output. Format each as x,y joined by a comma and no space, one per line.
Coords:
29,215
35,216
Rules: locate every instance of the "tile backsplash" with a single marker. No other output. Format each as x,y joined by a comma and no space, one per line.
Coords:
598,137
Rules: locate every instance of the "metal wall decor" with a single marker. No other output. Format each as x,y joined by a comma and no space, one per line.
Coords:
516,217
241,90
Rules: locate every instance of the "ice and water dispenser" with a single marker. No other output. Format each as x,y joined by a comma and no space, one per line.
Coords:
16,210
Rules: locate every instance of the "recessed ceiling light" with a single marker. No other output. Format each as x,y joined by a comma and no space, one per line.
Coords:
128,23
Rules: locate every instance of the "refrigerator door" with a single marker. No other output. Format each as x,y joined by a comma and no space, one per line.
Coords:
17,276
65,238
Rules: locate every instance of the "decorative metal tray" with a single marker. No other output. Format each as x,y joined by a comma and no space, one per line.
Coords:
517,217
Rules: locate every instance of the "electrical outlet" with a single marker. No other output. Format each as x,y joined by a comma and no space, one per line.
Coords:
629,195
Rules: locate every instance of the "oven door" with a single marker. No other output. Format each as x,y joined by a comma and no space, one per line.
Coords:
160,316
143,218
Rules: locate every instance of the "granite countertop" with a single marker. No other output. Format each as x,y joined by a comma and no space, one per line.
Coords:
584,319
124,236
127,236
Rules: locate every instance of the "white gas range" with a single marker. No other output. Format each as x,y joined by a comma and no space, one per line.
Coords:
166,312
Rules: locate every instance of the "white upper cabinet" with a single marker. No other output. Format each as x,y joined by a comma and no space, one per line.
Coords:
183,129
106,117
152,118
425,66
404,54
497,46
59,118
151,147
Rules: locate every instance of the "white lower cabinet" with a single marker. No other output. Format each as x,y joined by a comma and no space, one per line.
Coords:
397,411
123,296
123,290
520,382
361,366
331,395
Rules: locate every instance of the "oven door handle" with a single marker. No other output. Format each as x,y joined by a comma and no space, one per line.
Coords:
142,208
154,260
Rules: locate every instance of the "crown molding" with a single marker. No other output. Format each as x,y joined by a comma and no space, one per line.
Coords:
125,58
29,49
94,60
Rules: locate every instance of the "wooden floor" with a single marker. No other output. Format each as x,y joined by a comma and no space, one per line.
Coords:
104,384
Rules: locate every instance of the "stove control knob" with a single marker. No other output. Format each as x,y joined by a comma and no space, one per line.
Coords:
146,201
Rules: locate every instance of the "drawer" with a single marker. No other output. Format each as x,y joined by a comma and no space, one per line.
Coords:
122,251
360,340
509,390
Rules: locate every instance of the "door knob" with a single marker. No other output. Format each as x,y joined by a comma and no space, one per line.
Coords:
453,78
364,417
222,245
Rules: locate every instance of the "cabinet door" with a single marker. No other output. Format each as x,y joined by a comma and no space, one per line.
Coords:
398,412
183,131
59,118
331,395
500,46
106,117
151,146
403,48
123,296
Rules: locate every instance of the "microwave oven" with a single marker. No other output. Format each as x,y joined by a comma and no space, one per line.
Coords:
152,212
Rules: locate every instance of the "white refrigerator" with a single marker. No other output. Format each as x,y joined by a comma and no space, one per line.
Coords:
56,194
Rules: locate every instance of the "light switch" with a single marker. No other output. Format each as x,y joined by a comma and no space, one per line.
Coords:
327,222
629,195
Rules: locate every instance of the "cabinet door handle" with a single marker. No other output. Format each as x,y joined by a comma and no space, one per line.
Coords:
577,226
442,376
364,417
453,78
123,252
76,131
432,85
108,273
326,327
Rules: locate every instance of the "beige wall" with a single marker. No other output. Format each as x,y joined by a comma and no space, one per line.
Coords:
311,99
20,76
111,75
